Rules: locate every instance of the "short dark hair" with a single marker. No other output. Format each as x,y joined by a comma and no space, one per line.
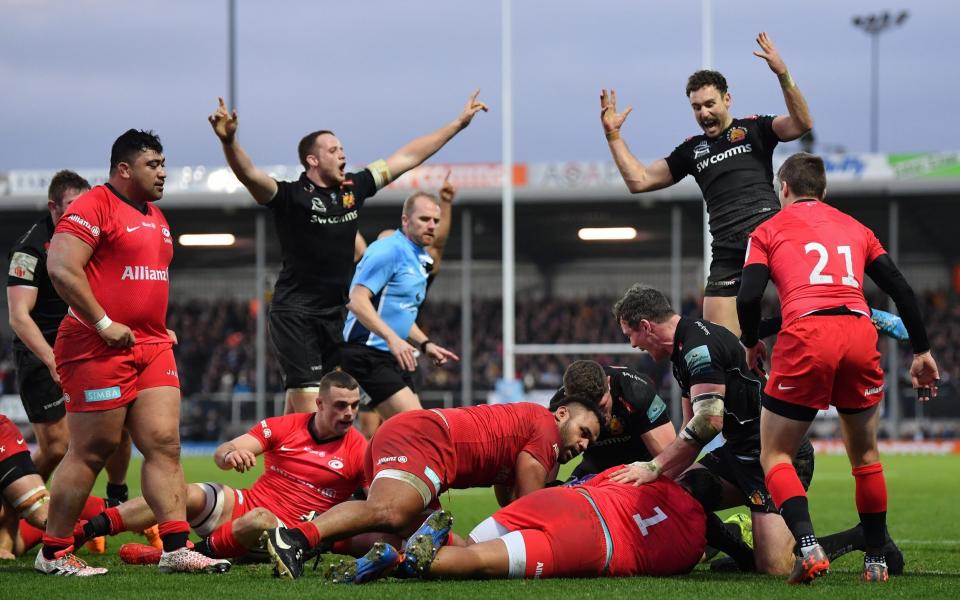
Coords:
130,144
305,146
338,379
643,302
585,378
580,402
65,180
805,174
706,77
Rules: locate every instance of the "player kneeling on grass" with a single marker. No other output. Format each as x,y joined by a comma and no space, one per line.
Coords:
312,461
418,454
597,529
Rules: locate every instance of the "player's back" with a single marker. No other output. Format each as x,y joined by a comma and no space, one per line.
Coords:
488,438
657,528
816,255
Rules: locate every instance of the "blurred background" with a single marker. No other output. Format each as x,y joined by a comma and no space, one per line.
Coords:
879,81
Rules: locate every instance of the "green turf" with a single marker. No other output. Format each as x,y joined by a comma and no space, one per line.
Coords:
923,519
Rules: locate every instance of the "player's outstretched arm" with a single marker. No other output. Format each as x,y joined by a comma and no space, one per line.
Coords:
437,353
260,185
749,300
239,454
530,476
66,258
415,152
361,305
638,177
659,438
797,121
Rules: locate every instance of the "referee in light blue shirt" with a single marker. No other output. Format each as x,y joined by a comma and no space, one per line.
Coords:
381,334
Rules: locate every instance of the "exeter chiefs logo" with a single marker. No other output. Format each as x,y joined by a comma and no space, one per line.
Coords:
615,425
348,200
736,134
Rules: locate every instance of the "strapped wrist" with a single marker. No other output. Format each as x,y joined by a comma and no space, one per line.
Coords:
613,135
103,323
786,81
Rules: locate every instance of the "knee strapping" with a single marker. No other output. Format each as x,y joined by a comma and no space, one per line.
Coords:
30,502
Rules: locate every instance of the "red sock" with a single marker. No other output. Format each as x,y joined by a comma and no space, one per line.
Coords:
116,521
783,484
93,507
871,488
309,531
224,544
52,546
30,535
174,534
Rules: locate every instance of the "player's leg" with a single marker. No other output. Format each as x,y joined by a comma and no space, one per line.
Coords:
300,400
773,544
53,438
401,401
722,310
25,497
298,354
859,431
116,469
495,559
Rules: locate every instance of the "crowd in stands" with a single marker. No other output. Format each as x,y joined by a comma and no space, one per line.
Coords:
216,350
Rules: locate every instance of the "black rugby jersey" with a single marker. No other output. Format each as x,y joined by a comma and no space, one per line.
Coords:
704,352
28,266
735,175
317,227
635,409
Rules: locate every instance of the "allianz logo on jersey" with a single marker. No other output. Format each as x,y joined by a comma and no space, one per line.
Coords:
84,223
143,273
744,149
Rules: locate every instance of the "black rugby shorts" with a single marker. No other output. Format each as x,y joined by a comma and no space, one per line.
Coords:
377,372
306,344
42,398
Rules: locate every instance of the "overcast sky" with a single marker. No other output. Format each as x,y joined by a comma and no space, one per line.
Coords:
75,74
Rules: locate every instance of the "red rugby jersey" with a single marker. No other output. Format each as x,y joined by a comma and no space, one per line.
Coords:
128,271
488,438
301,474
816,256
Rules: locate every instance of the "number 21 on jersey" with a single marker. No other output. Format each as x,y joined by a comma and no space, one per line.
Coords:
816,275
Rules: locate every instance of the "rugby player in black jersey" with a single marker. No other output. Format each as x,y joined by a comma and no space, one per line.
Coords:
316,221
720,395
732,163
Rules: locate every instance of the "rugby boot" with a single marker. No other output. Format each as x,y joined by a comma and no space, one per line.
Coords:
810,566
185,560
285,552
379,562
889,325
421,547
140,554
893,556
153,537
65,563
875,570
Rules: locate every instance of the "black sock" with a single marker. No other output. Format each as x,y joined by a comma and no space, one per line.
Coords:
838,544
726,537
117,493
796,512
298,536
97,526
874,531
175,541
203,547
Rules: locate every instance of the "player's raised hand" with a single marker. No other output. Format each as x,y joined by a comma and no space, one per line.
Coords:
635,474
472,107
769,53
448,191
439,354
405,354
925,376
224,123
609,117
118,335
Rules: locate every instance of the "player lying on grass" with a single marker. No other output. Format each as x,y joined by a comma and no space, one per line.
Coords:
312,461
23,494
416,455
596,529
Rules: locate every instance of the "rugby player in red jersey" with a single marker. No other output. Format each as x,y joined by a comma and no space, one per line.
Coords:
108,260
826,353
416,455
312,462
599,528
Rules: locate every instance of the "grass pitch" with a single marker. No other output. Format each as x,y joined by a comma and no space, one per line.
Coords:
924,519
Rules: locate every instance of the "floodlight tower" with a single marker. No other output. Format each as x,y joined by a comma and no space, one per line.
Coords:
874,25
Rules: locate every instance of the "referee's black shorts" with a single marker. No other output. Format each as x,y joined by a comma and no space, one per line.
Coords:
377,372
42,398
306,344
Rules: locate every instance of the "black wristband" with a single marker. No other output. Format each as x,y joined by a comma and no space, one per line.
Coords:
423,345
